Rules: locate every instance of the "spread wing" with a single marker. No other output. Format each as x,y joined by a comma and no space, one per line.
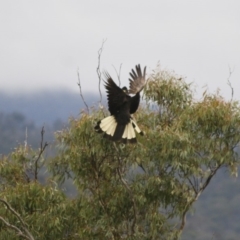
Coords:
137,80
116,96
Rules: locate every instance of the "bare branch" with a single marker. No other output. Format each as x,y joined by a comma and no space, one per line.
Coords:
183,219
80,89
118,73
19,232
42,148
213,172
27,234
99,71
229,83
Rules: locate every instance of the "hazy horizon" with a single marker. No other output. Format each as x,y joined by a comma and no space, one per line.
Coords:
44,43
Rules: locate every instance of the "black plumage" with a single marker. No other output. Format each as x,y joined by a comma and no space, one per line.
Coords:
120,125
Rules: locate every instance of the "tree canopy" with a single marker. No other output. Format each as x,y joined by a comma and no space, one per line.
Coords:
141,191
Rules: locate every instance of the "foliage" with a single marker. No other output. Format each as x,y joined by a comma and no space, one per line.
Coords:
141,191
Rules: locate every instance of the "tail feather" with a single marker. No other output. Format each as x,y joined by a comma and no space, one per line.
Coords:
131,132
136,127
111,129
107,122
115,132
108,125
125,133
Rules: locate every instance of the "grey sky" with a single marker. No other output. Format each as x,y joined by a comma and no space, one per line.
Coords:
44,42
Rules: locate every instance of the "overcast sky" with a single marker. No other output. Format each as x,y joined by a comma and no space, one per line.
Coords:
43,43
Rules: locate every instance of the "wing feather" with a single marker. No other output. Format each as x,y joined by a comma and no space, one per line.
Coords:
137,80
115,94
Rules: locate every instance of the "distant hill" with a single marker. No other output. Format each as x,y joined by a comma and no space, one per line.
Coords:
46,106
32,111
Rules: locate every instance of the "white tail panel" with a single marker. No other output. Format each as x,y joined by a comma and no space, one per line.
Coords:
111,129
129,132
108,125
125,133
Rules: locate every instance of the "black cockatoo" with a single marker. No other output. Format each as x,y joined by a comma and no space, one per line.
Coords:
120,126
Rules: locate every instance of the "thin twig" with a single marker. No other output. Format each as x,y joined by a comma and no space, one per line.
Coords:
130,193
24,225
229,83
99,71
194,189
42,148
80,90
118,73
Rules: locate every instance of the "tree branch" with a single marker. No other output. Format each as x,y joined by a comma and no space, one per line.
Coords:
19,232
80,89
99,71
24,225
194,189
118,73
213,172
197,196
42,148
229,83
